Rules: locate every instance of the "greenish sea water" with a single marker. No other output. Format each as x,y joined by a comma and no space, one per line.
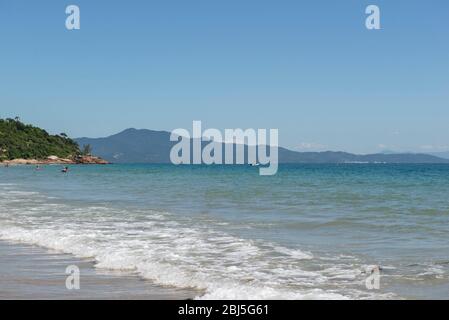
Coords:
309,232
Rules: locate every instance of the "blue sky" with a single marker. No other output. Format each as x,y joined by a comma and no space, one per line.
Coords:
309,68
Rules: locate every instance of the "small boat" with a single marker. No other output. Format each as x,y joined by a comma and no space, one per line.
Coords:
255,164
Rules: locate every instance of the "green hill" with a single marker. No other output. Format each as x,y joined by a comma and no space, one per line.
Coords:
19,140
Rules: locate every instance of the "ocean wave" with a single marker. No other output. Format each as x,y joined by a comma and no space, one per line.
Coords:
176,251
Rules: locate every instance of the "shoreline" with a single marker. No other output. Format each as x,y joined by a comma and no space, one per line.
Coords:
53,160
32,272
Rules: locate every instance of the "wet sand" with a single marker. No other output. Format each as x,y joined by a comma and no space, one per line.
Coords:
29,272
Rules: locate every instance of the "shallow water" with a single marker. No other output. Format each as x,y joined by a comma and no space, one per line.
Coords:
30,272
310,232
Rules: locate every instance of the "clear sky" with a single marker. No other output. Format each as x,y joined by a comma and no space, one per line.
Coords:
309,68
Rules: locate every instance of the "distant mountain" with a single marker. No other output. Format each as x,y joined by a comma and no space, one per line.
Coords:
147,146
288,156
132,146
444,155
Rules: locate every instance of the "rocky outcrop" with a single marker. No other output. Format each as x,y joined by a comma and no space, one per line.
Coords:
21,161
56,160
90,160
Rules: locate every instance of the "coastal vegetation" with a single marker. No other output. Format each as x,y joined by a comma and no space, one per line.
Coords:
87,150
24,141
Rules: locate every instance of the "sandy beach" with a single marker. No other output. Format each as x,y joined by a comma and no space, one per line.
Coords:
30,272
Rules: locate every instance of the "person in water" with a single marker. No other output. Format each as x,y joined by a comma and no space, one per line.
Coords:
65,170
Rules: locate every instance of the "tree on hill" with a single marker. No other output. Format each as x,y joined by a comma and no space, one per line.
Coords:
19,140
87,150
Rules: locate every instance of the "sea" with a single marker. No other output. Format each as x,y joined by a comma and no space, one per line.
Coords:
308,232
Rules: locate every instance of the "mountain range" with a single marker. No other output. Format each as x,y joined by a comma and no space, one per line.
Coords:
148,146
444,155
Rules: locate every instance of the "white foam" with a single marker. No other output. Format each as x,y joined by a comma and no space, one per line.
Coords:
433,271
294,253
173,253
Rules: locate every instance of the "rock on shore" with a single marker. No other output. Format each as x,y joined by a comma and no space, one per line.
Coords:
56,160
90,160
